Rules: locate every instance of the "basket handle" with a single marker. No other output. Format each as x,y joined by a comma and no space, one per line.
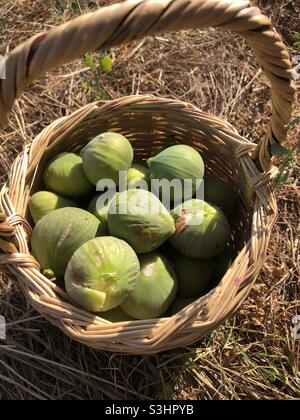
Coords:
133,19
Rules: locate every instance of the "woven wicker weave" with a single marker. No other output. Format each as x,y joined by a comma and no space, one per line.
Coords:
227,153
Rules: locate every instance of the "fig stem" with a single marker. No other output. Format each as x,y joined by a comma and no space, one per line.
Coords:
49,274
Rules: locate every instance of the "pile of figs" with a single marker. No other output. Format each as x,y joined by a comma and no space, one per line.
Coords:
120,249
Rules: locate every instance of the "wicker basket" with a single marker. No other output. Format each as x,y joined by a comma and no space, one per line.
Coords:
148,122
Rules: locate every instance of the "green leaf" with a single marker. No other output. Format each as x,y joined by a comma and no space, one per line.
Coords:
279,150
284,178
85,85
94,84
297,44
89,61
294,122
296,36
106,63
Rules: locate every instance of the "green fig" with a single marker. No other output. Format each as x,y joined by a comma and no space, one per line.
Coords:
101,274
179,162
194,276
43,202
105,156
138,175
115,315
202,230
223,261
179,304
138,217
100,209
59,234
155,290
219,192
64,175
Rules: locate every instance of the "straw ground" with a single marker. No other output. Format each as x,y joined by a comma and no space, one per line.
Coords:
254,354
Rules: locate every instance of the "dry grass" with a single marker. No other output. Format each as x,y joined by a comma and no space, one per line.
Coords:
253,355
